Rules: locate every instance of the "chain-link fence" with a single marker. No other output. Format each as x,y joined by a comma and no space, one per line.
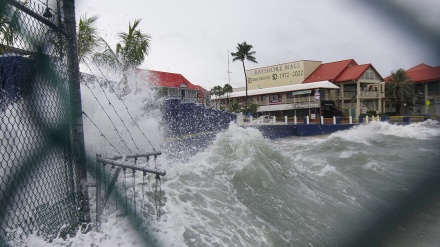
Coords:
41,173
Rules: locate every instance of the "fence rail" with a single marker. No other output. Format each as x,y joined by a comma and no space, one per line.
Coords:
121,163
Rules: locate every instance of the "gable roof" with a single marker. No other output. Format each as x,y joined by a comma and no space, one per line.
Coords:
355,72
329,71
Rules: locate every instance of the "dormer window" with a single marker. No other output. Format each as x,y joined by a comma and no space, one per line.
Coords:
369,75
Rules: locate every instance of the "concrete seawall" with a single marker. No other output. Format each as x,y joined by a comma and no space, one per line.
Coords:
279,131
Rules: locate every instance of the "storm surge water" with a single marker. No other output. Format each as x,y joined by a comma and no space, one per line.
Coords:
350,188
376,184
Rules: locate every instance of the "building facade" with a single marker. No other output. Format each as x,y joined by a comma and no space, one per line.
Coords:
174,85
426,97
313,88
361,87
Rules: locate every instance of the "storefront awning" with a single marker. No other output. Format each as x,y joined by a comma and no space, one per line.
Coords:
290,88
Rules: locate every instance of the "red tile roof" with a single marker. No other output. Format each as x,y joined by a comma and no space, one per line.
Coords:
419,67
166,79
425,75
352,73
355,72
329,71
422,73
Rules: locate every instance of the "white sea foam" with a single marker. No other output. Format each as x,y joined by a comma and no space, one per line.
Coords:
365,133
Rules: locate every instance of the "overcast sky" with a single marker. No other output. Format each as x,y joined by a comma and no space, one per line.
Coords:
194,37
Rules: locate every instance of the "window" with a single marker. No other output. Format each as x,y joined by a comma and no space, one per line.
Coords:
274,99
369,75
433,88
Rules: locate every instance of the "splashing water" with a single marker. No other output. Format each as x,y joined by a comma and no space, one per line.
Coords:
244,190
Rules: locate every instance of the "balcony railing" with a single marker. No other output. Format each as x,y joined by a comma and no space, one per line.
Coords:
364,95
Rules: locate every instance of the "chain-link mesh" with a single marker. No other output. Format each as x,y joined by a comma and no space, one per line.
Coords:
39,178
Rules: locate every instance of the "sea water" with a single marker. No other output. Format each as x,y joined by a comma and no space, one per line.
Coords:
376,184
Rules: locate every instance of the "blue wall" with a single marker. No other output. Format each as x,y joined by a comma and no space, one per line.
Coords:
184,119
280,131
15,78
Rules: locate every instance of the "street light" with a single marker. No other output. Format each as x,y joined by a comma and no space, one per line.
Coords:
47,13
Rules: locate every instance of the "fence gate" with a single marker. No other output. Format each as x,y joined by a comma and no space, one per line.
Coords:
42,168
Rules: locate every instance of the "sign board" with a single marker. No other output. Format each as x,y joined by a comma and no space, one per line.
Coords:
276,75
428,103
317,94
301,92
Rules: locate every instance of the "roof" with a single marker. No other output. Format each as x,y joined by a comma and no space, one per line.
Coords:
422,73
419,67
289,88
352,73
425,75
329,71
355,72
167,79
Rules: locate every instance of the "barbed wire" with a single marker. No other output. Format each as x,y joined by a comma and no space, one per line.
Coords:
115,129
102,134
114,109
122,101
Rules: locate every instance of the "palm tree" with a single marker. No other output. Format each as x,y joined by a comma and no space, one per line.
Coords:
90,44
227,89
217,91
399,87
88,38
244,52
134,46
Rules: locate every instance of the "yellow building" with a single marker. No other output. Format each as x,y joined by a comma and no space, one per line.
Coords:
280,75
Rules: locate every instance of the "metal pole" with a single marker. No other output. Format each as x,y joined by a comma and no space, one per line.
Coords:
99,209
128,165
77,133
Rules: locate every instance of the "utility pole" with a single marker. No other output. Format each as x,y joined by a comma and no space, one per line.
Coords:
229,72
77,131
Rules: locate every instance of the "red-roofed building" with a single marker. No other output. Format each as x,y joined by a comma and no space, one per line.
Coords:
361,86
426,98
174,85
302,89
329,71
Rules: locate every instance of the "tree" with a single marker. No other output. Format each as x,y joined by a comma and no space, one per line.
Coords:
130,52
91,45
244,52
251,108
227,89
399,87
217,91
9,23
134,46
88,38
